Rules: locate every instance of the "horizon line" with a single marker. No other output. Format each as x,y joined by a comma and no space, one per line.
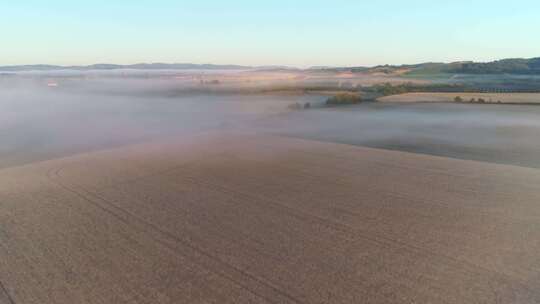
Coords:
231,65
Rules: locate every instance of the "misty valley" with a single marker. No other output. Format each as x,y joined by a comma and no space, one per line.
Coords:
40,122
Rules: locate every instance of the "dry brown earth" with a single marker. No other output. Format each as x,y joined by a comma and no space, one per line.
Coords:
507,98
248,219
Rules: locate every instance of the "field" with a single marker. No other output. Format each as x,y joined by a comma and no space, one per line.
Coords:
506,98
231,218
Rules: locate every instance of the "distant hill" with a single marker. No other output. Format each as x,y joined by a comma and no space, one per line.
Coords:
517,66
510,66
505,66
139,66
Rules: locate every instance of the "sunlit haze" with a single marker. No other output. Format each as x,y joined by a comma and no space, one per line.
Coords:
264,152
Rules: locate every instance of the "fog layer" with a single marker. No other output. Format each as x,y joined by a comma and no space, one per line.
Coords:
40,120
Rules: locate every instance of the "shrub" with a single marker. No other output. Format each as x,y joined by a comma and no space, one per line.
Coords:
295,106
344,99
389,89
458,99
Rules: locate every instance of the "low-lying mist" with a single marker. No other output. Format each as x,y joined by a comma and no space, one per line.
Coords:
507,134
42,119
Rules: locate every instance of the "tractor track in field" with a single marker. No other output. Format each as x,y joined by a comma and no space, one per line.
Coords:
54,176
353,234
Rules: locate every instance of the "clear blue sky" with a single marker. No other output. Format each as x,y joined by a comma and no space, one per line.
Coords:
299,33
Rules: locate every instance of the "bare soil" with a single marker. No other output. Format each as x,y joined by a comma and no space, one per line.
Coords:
265,219
505,98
